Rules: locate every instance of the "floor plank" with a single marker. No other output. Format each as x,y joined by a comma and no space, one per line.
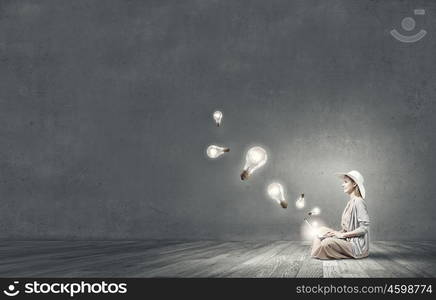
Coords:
289,261
311,267
261,266
411,258
391,267
225,264
208,259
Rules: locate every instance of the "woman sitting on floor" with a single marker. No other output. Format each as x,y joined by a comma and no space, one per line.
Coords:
353,240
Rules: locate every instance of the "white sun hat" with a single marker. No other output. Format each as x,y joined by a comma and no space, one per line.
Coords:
357,178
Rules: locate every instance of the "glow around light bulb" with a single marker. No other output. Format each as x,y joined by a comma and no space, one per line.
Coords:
314,231
311,230
214,151
217,116
256,157
315,211
275,191
300,203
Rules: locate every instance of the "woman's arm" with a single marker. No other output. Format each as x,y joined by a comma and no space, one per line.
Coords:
361,230
363,219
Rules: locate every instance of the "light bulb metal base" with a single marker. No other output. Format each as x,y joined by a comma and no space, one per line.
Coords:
245,175
284,204
226,150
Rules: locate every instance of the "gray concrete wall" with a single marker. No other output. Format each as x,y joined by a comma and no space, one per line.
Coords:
105,115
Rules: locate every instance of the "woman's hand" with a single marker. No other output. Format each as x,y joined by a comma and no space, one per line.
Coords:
340,235
331,233
336,234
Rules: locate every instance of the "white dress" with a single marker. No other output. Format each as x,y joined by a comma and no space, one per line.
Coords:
358,222
354,219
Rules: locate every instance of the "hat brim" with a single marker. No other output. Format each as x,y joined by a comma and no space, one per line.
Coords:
340,174
361,187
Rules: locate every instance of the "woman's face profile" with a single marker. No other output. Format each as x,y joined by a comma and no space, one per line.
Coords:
347,185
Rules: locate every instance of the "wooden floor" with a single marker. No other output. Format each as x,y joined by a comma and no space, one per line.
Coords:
207,259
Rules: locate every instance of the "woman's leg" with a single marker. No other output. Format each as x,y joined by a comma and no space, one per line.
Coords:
334,248
316,244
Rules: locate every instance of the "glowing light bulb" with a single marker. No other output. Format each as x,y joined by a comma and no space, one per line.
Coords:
300,203
214,151
275,191
309,230
315,211
313,228
256,157
218,116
